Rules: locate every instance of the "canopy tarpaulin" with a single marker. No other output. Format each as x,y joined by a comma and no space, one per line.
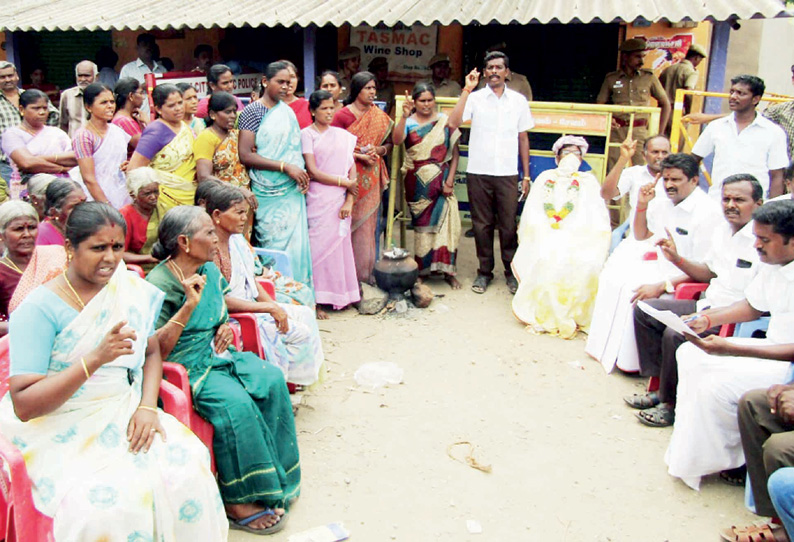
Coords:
24,15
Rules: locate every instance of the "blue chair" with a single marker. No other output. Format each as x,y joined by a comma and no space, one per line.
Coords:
755,329
280,259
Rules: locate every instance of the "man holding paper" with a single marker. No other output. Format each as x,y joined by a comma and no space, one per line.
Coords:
691,218
713,373
729,267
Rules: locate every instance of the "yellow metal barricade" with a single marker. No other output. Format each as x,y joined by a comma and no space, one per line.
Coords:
550,117
681,139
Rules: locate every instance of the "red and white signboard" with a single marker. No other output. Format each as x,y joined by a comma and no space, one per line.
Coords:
243,84
407,49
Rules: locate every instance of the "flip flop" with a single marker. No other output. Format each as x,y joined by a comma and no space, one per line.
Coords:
242,524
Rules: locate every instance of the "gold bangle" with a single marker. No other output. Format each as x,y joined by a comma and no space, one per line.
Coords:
177,322
147,408
281,167
56,159
85,368
339,181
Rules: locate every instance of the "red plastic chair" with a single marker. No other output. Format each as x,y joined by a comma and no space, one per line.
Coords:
138,269
19,518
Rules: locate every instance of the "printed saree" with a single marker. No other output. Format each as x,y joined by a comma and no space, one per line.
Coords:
244,398
77,456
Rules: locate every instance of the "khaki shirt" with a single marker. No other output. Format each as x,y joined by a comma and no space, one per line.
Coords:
514,81
681,75
620,88
446,89
72,110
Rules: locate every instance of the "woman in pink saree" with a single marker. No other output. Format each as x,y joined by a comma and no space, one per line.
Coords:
34,147
328,152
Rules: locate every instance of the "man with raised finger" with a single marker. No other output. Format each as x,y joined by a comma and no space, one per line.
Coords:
500,119
729,267
714,372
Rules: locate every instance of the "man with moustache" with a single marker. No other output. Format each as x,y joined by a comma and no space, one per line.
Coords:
500,119
713,372
690,217
72,110
729,267
744,141
622,180
632,85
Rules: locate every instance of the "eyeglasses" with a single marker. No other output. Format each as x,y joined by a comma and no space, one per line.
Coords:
566,152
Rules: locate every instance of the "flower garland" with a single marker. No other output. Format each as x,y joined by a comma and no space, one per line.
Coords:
555,216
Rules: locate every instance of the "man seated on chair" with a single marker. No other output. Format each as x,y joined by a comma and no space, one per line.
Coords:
729,267
766,424
622,180
713,372
690,217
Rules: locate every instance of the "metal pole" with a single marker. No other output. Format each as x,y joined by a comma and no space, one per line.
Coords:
309,61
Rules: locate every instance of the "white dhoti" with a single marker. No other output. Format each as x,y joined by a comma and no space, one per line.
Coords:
612,326
706,436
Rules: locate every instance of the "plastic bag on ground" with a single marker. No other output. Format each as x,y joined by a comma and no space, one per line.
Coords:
377,374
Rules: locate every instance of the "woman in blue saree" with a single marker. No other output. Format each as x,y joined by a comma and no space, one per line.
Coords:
82,402
244,398
277,171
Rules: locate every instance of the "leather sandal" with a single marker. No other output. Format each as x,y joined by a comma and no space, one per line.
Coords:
641,401
480,284
658,416
768,532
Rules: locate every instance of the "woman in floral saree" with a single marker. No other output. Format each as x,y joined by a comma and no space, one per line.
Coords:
82,402
278,177
166,146
431,159
371,126
244,398
563,239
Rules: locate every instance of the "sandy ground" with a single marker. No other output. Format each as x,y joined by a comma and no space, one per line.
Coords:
570,462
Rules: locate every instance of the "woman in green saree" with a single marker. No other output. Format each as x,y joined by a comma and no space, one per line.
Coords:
243,397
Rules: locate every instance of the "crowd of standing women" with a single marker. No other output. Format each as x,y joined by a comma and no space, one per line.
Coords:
189,199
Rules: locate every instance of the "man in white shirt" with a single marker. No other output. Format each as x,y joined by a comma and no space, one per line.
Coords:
71,105
690,216
729,267
145,63
744,141
713,372
622,180
500,119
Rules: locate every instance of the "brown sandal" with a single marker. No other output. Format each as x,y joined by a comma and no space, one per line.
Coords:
767,532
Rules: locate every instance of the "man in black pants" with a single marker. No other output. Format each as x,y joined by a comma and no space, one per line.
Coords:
729,268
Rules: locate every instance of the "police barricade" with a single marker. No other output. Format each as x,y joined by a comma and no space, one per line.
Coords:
683,134
559,118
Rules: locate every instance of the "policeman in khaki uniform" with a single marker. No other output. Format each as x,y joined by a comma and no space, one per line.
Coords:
440,68
349,65
683,75
632,85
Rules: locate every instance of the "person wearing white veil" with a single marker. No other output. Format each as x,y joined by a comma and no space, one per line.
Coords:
563,238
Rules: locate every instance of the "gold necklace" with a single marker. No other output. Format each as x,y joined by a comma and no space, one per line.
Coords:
176,270
8,262
74,292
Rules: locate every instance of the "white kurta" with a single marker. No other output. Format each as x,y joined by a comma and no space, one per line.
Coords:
691,224
558,269
706,436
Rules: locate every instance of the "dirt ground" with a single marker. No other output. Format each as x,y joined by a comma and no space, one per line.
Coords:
569,460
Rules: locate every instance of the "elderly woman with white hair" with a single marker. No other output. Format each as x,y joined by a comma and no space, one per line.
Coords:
23,265
37,190
141,216
563,241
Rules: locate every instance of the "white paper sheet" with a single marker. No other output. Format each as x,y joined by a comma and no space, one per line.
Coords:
668,318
